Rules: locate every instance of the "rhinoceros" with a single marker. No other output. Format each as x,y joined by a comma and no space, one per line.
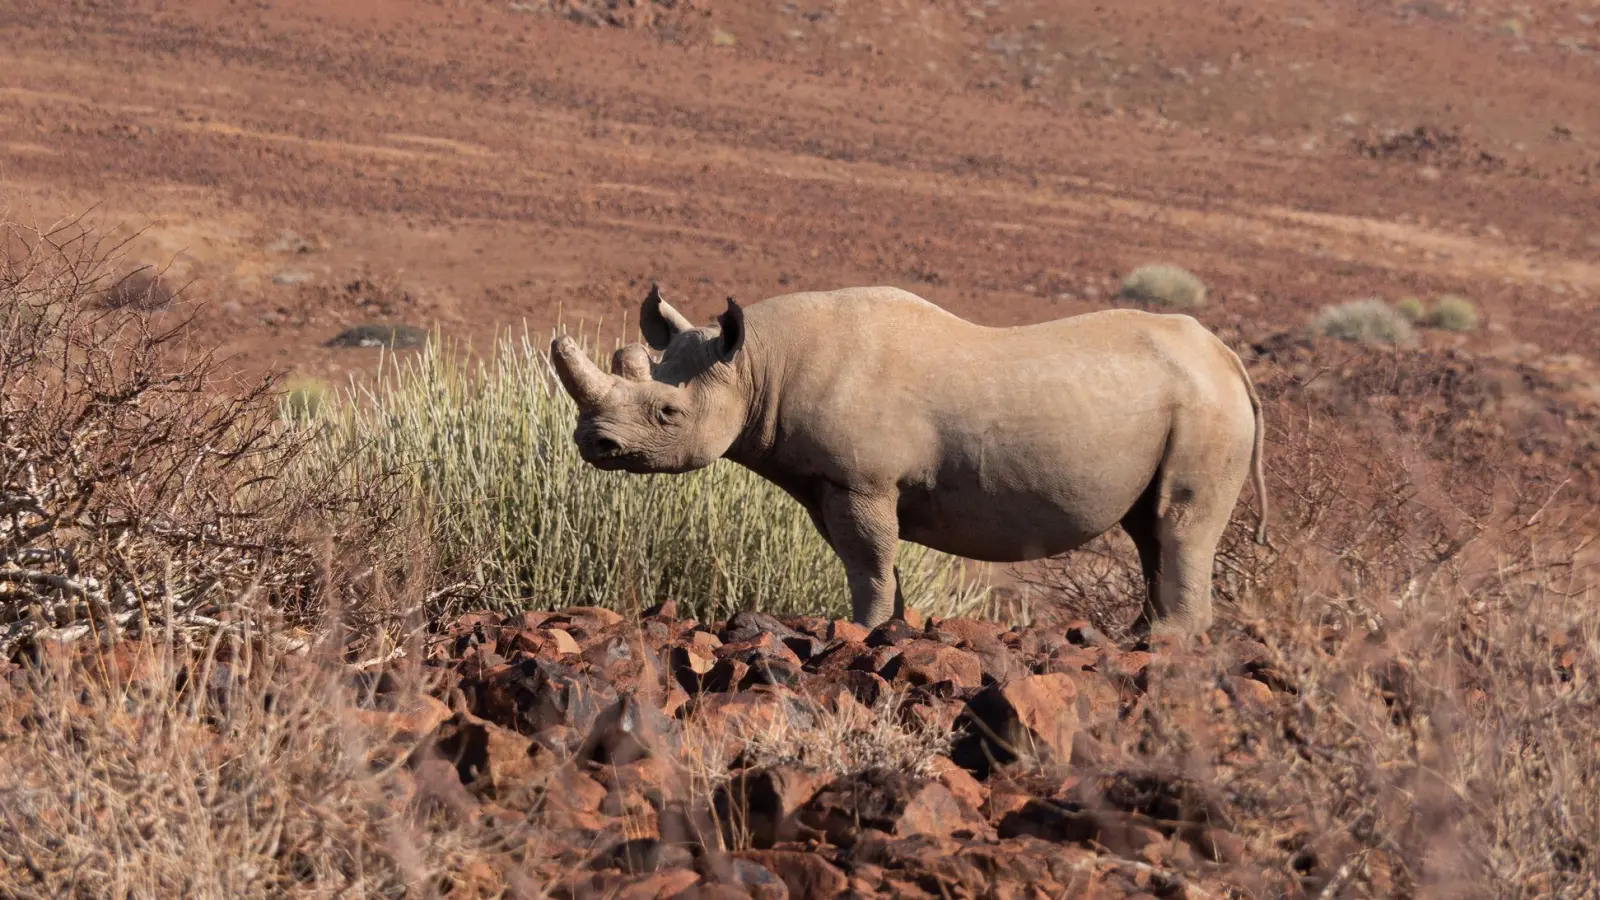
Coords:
889,418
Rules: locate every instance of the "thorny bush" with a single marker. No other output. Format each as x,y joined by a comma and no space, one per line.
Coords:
133,487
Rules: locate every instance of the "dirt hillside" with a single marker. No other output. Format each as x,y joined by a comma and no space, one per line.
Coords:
474,166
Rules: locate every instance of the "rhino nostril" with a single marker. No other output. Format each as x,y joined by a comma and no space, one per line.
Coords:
606,446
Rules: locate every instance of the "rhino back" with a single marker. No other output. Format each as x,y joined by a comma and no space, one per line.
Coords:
1003,443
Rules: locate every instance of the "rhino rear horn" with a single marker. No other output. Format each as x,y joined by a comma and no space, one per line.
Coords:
659,322
579,375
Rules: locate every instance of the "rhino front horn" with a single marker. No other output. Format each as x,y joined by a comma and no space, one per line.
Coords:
579,375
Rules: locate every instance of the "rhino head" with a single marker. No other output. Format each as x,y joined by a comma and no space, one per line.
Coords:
672,416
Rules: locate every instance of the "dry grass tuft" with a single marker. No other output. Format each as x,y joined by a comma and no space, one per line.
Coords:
1165,286
1453,313
1369,321
848,739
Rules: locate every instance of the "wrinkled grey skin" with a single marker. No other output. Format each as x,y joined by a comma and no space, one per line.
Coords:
889,418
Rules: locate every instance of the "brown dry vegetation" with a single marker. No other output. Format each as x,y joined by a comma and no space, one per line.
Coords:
218,689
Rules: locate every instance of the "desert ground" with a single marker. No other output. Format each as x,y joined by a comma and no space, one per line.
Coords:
1386,707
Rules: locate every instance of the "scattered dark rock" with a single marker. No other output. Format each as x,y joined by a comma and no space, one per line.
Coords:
392,336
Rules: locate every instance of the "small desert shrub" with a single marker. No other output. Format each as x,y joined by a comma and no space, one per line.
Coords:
487,452
1368,321
1453,313
1164,285
1411,308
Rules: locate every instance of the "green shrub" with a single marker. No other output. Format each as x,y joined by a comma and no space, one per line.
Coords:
1368,321
1411,308
1164,285
488,455
1453,313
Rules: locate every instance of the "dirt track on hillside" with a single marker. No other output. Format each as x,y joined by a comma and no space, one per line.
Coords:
496,166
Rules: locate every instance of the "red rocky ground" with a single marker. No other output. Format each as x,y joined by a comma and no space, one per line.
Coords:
631,747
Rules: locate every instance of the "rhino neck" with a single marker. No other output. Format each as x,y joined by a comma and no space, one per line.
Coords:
757,368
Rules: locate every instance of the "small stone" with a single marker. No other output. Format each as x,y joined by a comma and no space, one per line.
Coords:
924,662
765,803
807,875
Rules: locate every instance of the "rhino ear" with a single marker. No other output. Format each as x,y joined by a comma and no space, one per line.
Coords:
659,321
732,322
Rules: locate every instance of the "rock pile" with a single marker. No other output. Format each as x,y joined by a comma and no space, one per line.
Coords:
806,758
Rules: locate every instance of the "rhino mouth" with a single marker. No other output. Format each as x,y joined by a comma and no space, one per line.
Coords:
607,454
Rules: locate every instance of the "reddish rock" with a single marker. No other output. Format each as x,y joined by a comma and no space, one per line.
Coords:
1130,663
763,805
923,662
867,687
930,709
746,625
657,885
808,875
535,694
725,676
765,645
655,778
672,700
561,641
1070,659
839,657
845,630
599,615
1004,802
894,631
891,802
966,789
934,810
521,642
972,631
688,666
767,670
703,891
702,640
409,721
489,759
727,719
1249,693
1036,716
626,731
1099,701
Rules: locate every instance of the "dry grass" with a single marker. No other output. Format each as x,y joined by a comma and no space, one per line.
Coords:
1166,286
487,454
848,739
264,775
1368,321
1453,313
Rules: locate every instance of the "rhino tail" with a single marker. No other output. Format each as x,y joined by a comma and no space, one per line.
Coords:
1257,475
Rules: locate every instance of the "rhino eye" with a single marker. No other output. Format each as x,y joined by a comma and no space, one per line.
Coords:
668,414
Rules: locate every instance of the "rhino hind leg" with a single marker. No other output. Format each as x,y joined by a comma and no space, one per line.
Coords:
1141,526
1177,526
864,532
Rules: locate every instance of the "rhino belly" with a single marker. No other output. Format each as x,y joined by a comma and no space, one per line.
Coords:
1027,514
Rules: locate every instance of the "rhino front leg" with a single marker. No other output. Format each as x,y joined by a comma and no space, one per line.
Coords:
864,531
